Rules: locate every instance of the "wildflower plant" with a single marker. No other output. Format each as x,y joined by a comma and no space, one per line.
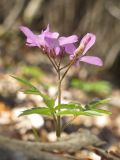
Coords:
56,48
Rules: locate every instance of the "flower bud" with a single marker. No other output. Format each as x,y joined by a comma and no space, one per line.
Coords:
79,50
84,42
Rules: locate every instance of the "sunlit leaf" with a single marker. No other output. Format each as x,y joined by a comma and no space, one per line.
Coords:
76,112
102,111
93,113
37,110
30,91
50,102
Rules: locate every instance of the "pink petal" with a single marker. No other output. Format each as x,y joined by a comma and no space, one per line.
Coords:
52,34
32,39
57,50
27,31
70,48
48,28
49,34
52,43
88,41
68,40
91,60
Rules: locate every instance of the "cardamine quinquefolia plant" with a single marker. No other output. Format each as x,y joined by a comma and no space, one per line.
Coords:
56,48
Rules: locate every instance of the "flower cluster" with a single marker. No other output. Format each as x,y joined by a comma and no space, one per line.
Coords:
55,46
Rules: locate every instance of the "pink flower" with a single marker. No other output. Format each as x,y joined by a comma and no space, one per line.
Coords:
47,41
52,44
85,44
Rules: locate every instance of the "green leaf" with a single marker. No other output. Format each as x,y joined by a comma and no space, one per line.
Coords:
76,112
37,110
70,106
24,81
93,113
33,90
73,112
102,111
50,102
95,103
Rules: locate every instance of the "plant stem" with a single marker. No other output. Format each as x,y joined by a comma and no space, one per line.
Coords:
53,63
35,134
65,66
58,130
66,71
69,66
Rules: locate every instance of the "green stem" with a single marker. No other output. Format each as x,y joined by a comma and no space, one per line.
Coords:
58,130
69,66
66,71
35,134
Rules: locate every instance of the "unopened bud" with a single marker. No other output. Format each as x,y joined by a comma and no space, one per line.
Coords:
79,50
86,39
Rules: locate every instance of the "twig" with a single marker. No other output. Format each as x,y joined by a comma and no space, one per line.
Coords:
72,143
104,154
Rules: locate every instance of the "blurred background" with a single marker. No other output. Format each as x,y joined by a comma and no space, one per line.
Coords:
101,17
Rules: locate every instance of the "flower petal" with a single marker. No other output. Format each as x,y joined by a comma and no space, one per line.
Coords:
70,48
52,43
27,31
57,50
52,34
32,39
68,40
88,41
91,60
48,28
47,34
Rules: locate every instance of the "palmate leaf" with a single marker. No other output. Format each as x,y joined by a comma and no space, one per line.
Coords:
37,110
33,90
